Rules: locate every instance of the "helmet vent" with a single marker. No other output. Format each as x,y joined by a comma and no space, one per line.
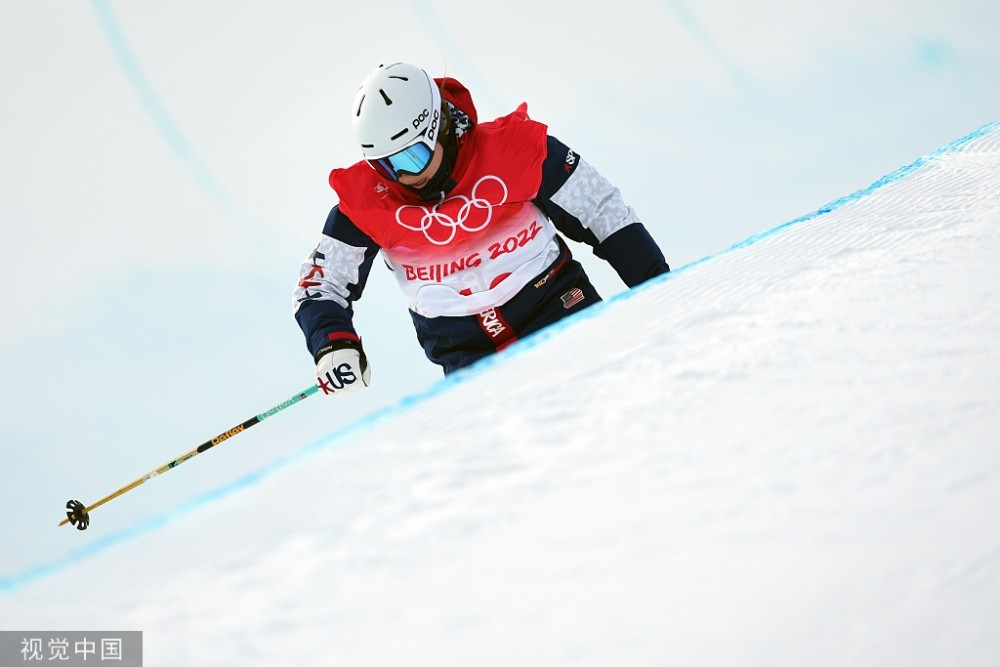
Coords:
388,102
399,134
358,113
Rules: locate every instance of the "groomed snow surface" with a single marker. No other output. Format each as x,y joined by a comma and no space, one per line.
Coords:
785,454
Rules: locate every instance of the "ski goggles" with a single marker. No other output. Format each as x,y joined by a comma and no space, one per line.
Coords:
411,160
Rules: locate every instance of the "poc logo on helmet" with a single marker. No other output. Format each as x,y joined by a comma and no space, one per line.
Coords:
433,127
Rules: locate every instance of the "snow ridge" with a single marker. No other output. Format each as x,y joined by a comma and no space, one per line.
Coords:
789,445
777,255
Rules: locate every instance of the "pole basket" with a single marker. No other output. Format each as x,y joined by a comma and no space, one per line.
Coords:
77,514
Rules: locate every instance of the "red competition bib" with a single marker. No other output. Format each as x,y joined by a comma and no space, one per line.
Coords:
478,247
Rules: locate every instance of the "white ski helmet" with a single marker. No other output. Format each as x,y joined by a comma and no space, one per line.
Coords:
396,106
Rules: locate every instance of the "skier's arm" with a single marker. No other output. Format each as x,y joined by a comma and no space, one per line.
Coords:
331,279
586,207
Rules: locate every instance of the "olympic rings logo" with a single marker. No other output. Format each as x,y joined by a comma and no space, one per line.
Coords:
439,227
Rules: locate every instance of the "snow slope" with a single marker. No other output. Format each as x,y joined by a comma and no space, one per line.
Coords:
783,454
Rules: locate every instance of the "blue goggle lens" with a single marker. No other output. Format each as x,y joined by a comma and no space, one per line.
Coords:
411,160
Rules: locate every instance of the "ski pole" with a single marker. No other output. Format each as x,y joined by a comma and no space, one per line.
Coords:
79,515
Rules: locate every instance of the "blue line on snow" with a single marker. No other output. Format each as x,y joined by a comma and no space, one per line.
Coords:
32,574
154,108
695,29
436,27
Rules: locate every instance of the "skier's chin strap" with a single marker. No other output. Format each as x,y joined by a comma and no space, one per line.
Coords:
437,185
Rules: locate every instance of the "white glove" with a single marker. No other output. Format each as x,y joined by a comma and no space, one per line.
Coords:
342,369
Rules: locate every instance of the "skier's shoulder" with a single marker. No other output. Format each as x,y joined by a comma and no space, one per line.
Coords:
514,138
516,123
357,177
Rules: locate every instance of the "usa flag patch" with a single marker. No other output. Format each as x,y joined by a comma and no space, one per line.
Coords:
572,297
